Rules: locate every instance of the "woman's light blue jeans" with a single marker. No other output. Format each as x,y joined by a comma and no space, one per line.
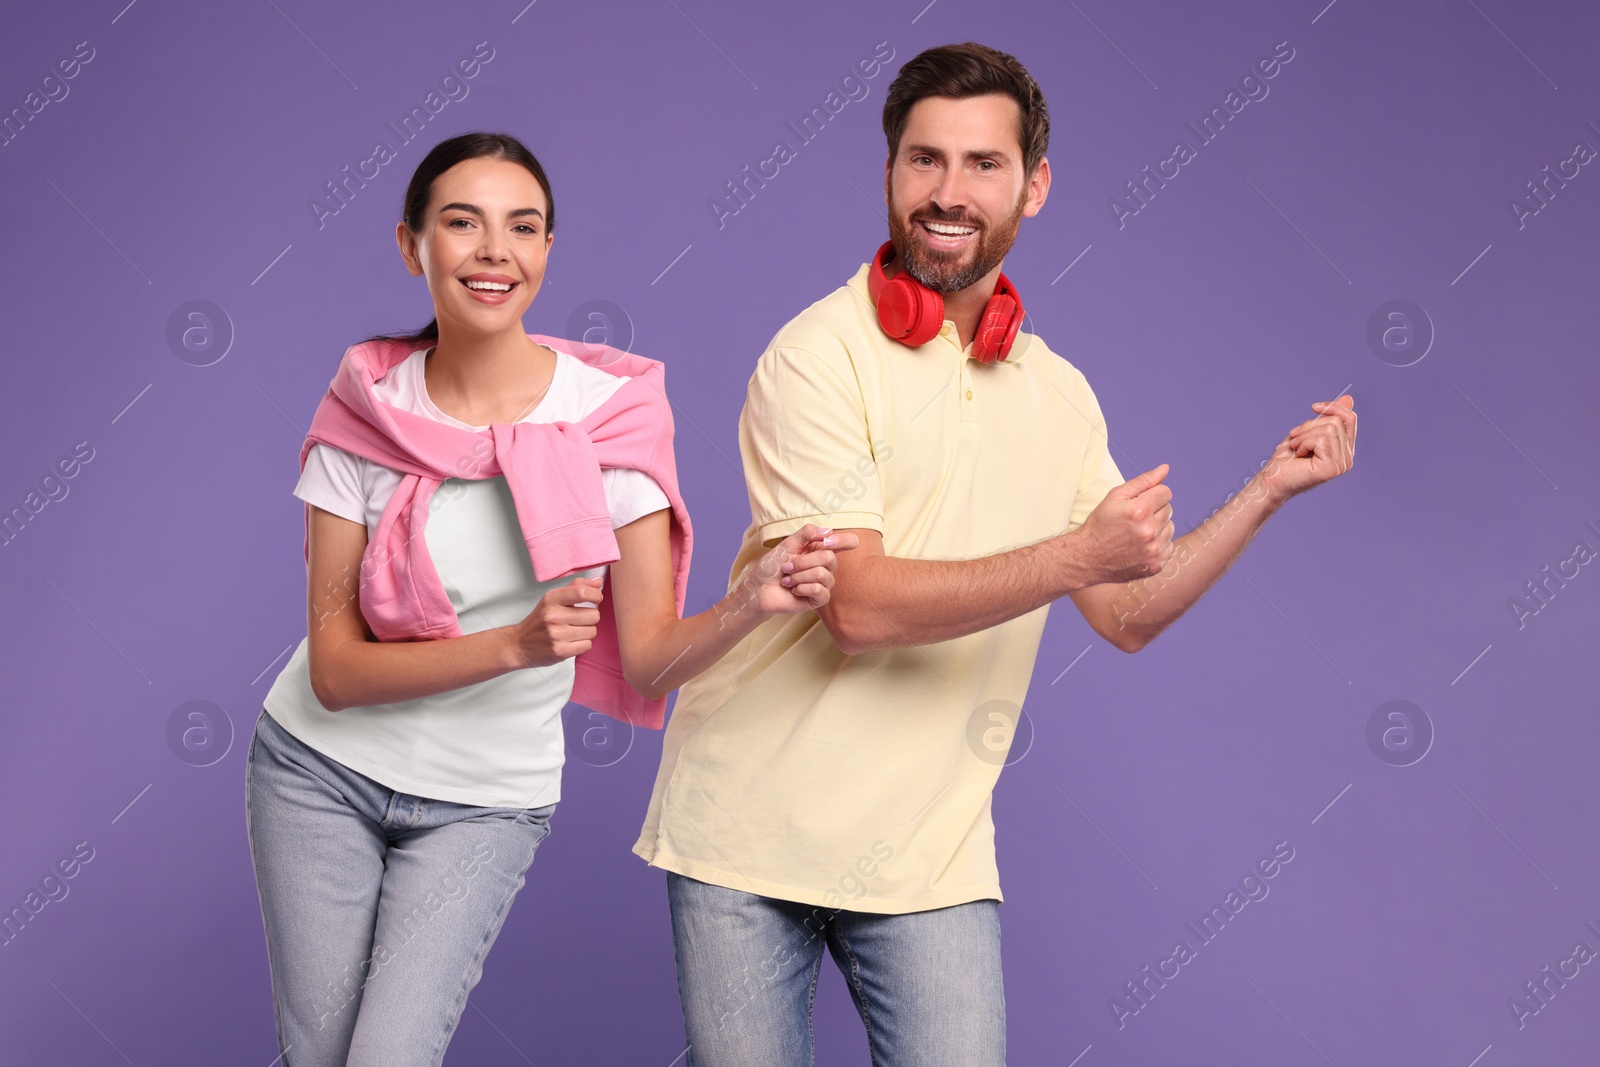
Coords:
927,984
379,906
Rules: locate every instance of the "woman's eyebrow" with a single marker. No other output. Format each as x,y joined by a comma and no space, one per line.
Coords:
475,210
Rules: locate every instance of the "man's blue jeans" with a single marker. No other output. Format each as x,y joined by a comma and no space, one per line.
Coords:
379,906
927,984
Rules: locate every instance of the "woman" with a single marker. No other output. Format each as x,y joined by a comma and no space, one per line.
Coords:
408,759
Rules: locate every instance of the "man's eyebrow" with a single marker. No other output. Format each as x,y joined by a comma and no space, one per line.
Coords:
984,153
475,210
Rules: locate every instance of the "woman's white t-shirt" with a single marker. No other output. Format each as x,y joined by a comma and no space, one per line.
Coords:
495,743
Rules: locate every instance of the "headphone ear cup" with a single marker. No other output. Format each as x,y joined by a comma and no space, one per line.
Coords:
997,329
910,312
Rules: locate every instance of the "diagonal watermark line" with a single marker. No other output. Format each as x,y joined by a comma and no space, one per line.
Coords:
132,402
868,199
1301,232
680,1056
1469,666
1331,803
1474,262
313,44
269,666
1069,266
713,44
101,232
274,263
293,425
502,1033
1080,1056
1324,11
101,632
674,262
707,436
1112,43
1502,433
1480,1055
124,11
131,803
90,1021
524,11
669,666
924,809
1290,1021
1513,44
1102,833
924,11
1071,665
1299,631
936,395
1502,833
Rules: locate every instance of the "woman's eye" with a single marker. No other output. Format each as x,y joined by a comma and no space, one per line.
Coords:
452,222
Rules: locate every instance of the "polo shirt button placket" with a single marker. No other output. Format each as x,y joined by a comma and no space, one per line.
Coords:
948,332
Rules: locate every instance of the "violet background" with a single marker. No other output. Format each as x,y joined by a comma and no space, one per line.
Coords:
1420,898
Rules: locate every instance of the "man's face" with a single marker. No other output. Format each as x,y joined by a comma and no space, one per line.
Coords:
956,189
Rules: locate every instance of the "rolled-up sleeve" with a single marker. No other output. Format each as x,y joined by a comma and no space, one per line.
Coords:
806,446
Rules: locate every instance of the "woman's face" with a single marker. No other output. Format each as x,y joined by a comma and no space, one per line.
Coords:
485,223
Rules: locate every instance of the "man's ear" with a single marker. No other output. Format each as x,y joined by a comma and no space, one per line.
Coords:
1038,187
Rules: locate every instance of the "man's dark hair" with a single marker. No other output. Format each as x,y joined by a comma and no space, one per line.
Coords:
959,71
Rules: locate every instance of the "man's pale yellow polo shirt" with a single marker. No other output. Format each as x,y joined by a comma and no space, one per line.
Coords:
863,782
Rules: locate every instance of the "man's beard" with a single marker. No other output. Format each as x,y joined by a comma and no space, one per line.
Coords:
943,271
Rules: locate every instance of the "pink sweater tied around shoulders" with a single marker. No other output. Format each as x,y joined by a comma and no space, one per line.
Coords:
553,471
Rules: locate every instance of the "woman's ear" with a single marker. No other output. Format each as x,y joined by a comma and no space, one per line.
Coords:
408,248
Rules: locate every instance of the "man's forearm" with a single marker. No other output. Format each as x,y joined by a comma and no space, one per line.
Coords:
891,601
1146,606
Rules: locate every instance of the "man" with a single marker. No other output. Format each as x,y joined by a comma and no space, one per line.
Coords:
828,783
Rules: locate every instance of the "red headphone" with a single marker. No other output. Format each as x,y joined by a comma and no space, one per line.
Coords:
912,313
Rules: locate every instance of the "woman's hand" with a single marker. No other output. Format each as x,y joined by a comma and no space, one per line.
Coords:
559,627
797,573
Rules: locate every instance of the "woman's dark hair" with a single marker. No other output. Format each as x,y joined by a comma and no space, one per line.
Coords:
443,156
959,71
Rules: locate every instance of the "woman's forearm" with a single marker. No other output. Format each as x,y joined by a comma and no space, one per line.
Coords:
683,648
359,673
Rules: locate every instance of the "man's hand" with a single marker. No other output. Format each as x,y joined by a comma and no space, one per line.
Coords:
1129,535
1314,451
